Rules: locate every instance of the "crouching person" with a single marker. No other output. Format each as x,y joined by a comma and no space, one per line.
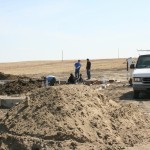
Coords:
80,80
49,80
71,79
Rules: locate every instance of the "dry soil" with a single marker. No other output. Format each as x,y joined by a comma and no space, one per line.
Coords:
76,116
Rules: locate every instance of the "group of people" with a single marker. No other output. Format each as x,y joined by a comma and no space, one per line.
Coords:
78,76
51,80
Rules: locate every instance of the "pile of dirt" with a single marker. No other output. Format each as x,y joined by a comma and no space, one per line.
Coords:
4,76
19,86
7,76
72,117
1,114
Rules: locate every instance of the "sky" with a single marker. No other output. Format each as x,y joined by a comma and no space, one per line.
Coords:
94,29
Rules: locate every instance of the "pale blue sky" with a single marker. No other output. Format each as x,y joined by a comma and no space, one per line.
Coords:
95,29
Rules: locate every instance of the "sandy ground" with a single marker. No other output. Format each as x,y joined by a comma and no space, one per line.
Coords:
140,147
123,93
101,69
63,69
73,117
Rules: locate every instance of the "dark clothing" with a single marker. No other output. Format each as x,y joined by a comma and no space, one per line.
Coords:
88,69
52,82
88,65
80,80
49,80
71,79
77,73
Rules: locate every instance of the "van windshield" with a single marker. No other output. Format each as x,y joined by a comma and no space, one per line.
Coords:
143,62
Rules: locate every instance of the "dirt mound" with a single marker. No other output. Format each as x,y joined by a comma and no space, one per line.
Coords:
7,76
72,117
19,86
4,76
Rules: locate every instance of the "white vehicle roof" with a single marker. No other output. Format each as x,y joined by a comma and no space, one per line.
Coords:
143,52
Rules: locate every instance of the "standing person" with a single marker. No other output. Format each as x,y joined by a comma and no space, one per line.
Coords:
77,69
88,69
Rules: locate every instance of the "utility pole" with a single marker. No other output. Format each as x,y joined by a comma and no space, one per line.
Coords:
118,53
62,56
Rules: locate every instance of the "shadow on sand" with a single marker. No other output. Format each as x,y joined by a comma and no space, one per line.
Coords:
129,96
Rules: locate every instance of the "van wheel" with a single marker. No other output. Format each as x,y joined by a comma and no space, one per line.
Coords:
130,81
136,94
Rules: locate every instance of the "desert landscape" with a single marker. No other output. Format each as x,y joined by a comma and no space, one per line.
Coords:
95,116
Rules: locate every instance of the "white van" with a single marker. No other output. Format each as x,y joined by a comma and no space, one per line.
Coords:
141,75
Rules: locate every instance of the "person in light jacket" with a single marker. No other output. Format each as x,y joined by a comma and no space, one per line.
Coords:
77,66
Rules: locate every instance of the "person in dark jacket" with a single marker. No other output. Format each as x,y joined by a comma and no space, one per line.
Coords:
88,69
71,79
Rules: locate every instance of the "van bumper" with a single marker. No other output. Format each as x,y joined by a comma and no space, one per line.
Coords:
141,87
